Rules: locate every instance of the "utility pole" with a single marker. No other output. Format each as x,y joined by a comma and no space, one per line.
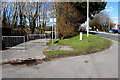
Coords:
55,33
52,30
109,24
87,18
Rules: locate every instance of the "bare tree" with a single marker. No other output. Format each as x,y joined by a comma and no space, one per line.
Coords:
101,21
32,14
5,22
15,16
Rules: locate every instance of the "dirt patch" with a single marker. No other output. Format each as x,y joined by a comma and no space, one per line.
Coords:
60,47
28,61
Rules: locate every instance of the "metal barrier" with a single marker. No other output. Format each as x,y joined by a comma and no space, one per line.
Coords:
36,36
16,42
23,42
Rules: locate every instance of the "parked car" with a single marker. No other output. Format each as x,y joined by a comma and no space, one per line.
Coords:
118,31
110,31
114,31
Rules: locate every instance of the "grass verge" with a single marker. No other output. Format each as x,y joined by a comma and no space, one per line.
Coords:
88,45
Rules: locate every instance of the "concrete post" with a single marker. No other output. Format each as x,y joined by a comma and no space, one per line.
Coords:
80,35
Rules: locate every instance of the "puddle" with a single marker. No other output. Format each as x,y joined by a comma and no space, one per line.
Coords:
86,61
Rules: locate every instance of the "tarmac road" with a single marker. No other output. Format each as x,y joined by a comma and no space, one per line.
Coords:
115,37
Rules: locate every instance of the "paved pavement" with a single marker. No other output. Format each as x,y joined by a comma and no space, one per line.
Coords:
34,49
98,65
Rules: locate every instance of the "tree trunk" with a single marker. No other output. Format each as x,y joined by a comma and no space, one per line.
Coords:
33,27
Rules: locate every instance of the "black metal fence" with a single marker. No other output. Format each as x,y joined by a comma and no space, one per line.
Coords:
10,41
35,36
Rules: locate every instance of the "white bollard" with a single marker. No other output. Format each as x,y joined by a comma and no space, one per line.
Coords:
80,35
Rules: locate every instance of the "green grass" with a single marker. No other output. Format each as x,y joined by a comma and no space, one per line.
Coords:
88,45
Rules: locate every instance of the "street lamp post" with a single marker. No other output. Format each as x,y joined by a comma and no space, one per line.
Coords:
109,24
52,31
87,18
55,33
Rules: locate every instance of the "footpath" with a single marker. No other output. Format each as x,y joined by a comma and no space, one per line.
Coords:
32,49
